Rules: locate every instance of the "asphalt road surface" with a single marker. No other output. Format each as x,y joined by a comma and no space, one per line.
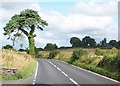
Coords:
51,72
54,72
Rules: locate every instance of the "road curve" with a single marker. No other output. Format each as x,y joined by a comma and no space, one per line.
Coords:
54,72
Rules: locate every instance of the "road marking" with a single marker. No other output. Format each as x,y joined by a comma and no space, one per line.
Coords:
35,74
58,68
55,66
74,82
64,73
93,73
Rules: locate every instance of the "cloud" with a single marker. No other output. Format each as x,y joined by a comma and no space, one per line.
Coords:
93,18
95,8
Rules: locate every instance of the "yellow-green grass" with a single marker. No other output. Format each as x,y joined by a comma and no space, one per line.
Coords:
24,63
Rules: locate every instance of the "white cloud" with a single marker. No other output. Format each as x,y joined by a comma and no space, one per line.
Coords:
95,8
93,18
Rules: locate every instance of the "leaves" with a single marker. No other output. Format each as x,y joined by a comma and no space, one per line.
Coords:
24,20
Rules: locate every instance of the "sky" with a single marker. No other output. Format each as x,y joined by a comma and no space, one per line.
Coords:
66,18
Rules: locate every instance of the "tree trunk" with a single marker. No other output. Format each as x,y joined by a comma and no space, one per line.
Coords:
31,46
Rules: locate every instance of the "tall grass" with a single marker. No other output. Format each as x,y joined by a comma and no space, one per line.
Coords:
23,62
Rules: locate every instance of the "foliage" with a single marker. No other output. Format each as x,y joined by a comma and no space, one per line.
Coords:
25,23
114,75
113,43
98,52
76,42
51,46
111,60
52,54
8,47
103,42
77,54
88,41
38,55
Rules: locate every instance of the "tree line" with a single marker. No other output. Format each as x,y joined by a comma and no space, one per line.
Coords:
86,42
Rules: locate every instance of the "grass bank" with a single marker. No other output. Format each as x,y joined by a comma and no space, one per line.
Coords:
24,63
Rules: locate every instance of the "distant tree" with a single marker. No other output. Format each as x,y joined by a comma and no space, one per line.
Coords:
88,42
103,42
118,44
113,43
25,24
7,47
51,46
76,42
37,50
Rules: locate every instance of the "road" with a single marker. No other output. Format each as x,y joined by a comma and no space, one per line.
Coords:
51,72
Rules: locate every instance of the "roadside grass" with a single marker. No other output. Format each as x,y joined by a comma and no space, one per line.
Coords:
114,75
24,63
104,61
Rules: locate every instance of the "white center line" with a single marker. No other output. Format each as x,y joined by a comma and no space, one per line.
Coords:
64,73
58,68
72,80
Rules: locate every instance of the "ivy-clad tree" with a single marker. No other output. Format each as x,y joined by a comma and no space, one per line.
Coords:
25,23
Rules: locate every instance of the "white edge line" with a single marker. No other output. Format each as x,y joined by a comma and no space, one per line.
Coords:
94,73
35,74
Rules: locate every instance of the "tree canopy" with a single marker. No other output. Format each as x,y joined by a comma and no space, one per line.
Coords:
50,46
76,42
25,23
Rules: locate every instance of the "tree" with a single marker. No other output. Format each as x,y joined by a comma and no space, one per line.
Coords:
25,23
88,41
113,43
118,44
76,42
50,46
8,47
104,42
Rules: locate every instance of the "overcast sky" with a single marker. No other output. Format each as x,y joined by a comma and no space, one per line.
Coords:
80,18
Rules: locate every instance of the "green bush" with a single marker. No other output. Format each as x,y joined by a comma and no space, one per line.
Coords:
98,52
77,54
52,54
38,55
110,63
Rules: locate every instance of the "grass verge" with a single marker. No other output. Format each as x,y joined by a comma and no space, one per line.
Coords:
94,68
22,74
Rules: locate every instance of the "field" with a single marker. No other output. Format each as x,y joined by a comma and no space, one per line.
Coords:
23,62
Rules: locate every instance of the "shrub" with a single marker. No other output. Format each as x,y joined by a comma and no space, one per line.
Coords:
98,52
77,54
52,54
38,55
